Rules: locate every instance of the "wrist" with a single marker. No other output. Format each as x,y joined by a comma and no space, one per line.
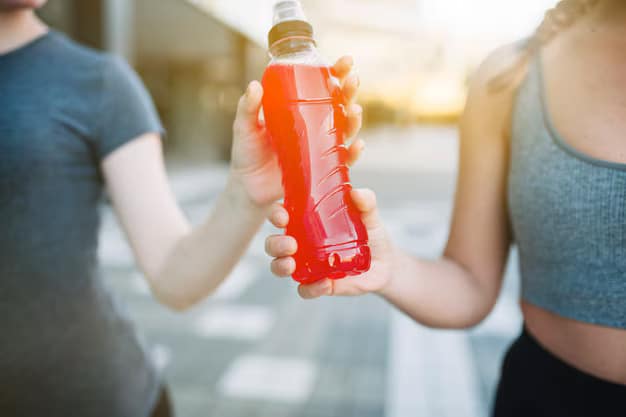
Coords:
240,199
396,257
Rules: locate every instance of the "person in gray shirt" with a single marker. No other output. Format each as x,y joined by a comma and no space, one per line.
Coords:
72,122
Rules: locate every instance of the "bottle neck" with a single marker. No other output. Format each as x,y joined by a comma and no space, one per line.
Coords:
292,45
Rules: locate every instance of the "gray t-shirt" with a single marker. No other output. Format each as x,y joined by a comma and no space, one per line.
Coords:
65,349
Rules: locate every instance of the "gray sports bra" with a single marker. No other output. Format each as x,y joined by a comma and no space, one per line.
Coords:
568,216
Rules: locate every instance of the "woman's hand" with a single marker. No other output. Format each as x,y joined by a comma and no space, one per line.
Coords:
282,248
254,165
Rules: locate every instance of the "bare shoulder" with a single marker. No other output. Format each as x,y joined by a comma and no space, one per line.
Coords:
499,62
492,90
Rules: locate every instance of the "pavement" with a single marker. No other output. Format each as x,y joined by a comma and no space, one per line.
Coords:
256,349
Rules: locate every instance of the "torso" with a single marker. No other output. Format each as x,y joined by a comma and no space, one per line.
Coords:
585,75
64,338
596,350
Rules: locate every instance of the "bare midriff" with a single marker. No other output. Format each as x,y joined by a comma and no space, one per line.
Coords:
596,350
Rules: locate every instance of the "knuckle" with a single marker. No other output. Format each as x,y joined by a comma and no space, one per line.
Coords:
237,129
282,267
278,247
368,193
267,246
276,218
276,267
285,246
270,245
374,198
303,292
356,109
273,265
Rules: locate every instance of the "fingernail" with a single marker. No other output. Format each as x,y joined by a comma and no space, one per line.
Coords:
249,89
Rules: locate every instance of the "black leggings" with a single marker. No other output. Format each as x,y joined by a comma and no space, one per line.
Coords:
535,383
163,407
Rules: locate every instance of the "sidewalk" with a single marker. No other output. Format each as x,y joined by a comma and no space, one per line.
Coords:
256,349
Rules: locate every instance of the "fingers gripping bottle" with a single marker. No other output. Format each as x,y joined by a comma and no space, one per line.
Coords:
306,121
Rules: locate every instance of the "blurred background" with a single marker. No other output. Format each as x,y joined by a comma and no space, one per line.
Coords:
255,348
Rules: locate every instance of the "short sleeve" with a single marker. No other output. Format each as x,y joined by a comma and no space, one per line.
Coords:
126,110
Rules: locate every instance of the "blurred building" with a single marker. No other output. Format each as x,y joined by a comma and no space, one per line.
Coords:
414,57
195,65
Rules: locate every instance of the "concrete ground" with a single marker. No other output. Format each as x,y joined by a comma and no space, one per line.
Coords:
256,349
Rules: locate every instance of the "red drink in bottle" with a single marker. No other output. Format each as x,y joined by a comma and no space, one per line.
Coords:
306,121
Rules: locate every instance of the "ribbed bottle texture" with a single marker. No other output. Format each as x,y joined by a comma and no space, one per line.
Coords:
306,122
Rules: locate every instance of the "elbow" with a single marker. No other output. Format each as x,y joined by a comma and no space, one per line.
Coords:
457,323
475,315
172,297
452,323
471,322
463,318
177,303
177,294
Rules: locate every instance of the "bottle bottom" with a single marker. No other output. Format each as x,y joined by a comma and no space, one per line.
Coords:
334,262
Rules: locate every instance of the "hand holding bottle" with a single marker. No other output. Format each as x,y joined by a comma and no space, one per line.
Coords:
306,121
254,163
282,248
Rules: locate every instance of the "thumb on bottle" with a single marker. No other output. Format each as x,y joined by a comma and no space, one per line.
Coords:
365,201
249,107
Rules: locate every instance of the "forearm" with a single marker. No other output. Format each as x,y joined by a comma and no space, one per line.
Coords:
203,258
439,293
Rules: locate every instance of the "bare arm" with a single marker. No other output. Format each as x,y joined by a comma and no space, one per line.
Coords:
459,289
184,264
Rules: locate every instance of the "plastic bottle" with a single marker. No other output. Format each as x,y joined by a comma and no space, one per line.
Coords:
306,121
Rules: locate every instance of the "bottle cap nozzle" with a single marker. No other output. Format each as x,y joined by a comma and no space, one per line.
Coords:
289,21
288,10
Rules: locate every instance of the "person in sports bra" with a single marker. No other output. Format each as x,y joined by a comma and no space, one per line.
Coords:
542,167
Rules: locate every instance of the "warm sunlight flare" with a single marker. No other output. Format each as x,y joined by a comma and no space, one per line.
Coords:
433,45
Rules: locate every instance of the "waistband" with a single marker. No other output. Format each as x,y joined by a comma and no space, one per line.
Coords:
538,357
